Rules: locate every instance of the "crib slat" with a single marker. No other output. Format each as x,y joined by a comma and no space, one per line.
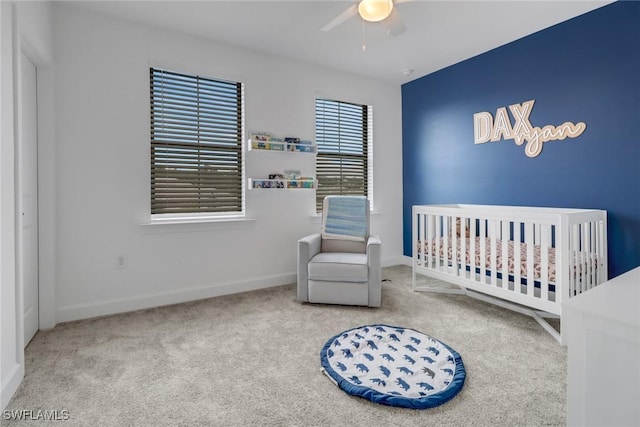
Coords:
585,256
592,258
588,251
505,254
528,240
445,237
436,241
442,252
472,249
592,255
579,281
463,247
443,240
454,245
517,259
494,253
433,240
573,259
545,239
483,251
427,234
602,250
415,238
431,225
581,261
424,233
422,238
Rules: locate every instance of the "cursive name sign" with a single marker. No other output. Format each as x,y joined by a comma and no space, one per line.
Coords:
488,129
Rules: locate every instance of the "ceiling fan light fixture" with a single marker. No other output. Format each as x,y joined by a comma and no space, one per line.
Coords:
375,10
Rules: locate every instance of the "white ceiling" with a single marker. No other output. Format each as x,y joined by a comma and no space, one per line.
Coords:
438,33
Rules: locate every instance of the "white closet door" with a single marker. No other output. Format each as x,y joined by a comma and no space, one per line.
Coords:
29,189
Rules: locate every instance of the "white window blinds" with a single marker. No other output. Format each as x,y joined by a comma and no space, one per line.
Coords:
196,144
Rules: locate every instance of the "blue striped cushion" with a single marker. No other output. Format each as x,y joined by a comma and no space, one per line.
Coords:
345,217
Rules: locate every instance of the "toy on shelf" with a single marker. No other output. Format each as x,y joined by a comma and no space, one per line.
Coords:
266,141
278,183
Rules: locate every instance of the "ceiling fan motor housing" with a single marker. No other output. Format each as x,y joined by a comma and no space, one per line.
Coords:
375,10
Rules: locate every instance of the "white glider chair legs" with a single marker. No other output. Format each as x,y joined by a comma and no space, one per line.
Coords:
341,265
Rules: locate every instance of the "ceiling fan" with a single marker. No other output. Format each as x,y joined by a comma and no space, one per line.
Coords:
372,11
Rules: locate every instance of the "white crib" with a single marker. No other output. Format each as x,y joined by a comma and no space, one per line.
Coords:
527,259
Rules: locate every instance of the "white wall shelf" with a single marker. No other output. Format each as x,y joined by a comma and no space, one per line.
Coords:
282,184
282,146
285,179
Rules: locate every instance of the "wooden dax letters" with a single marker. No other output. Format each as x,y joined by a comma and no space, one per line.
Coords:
486,128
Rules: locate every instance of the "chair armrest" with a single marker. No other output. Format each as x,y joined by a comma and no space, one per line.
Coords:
373,240
308,247
374,246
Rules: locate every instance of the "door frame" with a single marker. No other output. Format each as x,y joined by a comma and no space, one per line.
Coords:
46,189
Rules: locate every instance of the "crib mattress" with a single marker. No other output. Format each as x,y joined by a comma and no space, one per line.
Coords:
537,268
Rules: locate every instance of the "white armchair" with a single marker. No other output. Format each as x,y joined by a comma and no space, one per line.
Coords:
341,265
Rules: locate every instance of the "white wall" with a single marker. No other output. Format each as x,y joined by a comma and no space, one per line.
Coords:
25,26
102,164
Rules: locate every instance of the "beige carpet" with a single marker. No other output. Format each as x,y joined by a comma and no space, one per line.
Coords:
253,359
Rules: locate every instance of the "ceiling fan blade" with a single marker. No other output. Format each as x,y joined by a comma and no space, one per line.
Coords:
351,11
395,25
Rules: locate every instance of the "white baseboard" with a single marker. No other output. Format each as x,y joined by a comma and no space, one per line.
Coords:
77,312
11,384
86,311
407,260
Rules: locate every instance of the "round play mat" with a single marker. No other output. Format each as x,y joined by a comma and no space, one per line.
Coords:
393,366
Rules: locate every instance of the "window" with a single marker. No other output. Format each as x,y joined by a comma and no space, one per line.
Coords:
344,138
196,145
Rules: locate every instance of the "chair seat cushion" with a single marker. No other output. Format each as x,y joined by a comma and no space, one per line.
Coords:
339,267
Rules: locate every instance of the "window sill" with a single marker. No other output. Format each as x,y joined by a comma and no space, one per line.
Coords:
196,224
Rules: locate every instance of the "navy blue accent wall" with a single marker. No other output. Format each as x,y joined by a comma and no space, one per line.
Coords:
587,70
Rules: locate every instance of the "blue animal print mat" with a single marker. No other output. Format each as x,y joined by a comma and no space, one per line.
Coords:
393,366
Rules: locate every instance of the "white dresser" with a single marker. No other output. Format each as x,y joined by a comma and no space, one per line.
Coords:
603,368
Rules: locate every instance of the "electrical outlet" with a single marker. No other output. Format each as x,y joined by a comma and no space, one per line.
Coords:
121,261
